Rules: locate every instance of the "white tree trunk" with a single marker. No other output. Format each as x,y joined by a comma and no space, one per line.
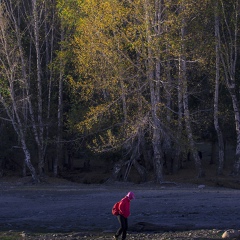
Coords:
60,115
36,123
19,129
229,59
39,88
13,102
154,93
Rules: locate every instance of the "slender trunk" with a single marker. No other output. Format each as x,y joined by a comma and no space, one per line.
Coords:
60,116
14,57
25,76
28,161
166,139
156,139
17,125
183,74
229,59
133,160
216,96
154,93
39,88
178,159
49,38
236,166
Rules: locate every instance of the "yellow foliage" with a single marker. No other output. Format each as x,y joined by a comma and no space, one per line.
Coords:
113,42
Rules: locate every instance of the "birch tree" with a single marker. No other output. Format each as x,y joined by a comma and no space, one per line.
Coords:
35,39
105,41
13,95
117,51
138,67
190,15
60,113
37,10
41,22
229,55
153,74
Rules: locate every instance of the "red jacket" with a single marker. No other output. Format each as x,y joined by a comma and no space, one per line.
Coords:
124,207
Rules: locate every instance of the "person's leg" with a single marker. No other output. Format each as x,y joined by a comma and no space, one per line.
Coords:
124,228
121,222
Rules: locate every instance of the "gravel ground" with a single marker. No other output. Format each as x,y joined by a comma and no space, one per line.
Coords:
64,210
183,235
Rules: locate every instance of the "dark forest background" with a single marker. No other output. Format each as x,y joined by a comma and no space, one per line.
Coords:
97,91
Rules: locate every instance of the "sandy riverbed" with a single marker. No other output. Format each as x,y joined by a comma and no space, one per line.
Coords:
69,207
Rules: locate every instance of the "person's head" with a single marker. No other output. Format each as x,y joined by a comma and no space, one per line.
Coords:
130,195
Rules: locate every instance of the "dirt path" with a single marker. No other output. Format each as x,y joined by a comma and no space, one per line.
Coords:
67,207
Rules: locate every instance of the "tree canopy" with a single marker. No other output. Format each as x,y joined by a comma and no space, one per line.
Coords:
145,80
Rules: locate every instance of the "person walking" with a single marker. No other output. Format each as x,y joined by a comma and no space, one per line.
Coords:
123,214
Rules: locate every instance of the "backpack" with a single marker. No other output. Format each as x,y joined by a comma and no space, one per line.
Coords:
115,209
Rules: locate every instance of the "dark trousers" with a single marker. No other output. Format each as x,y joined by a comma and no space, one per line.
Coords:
123,227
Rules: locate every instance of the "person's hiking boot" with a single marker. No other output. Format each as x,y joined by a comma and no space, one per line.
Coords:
115,237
